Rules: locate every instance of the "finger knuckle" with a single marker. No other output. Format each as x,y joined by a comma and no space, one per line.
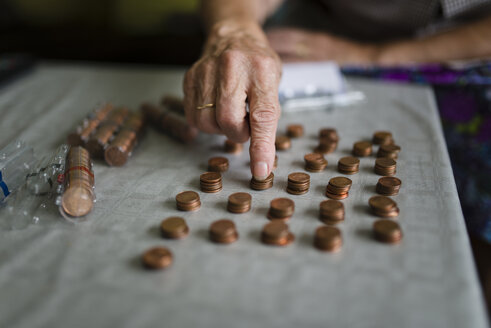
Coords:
264,115
230,58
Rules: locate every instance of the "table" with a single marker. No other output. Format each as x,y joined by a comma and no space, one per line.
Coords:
58,274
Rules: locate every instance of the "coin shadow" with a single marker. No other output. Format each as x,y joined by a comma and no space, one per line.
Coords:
320,189
136,263
170,204
217,148
346,151
305,240
358,208
364,233
261,211
154,231
193,183
299,164
202,234
255,235
311,213
367,169
369,188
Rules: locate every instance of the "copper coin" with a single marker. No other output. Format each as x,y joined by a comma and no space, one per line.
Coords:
388,186
262,184
239,202
328,239
382,138
294,130
188,201
387,231
281,208
337,196
211,182
298,183
383,206
341,182
329,133
218,164
211,177
331,211
223,232
298,177
348,165
390,150
315,162
362,148
385,162
157,258
277,233
326,146
283,143
233,147
174,227
77,200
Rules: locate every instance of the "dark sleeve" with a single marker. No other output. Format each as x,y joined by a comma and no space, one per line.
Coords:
467,9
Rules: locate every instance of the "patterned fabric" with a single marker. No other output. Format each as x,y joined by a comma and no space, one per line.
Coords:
464,102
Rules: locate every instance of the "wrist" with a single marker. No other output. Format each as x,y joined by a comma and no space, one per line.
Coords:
235,28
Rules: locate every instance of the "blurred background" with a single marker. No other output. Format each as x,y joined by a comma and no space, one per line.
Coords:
166,32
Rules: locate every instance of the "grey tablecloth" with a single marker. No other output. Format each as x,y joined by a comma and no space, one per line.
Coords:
88,275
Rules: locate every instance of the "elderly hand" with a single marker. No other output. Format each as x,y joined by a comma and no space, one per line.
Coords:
302,45
237,68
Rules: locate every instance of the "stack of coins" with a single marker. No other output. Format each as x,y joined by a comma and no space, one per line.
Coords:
188,201
390,151
298,183
294,131
78,197
157,258
385,166
121,147
326,145
315,162
383,206
262,184
218,164
223,232
348,165
174,227
233,147
105,131
382,138
329,133
331,211
239,202
338,188
275,164
362,148
328,239
388,186
281,209
170,123
283,143
277,233
210,182
387,231
89,125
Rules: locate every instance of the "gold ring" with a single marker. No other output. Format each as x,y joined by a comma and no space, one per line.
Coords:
206,106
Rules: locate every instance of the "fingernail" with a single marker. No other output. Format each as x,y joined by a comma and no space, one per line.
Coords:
260,170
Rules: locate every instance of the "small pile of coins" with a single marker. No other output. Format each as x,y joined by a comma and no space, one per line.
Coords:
281,209
232,147
315,162
388,186
82,133
218,164
99,140
328,141
174,227
387,231
277,233
275,164
362,148
338,188
283,143
262,184
382,138
294,131
331,211
383,206
328,239
157,258
390,151
188,201
298,183
385,166
210,182
239,202
348,165
223,232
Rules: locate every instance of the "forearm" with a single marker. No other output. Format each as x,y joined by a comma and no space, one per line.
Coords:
465,42
218,13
